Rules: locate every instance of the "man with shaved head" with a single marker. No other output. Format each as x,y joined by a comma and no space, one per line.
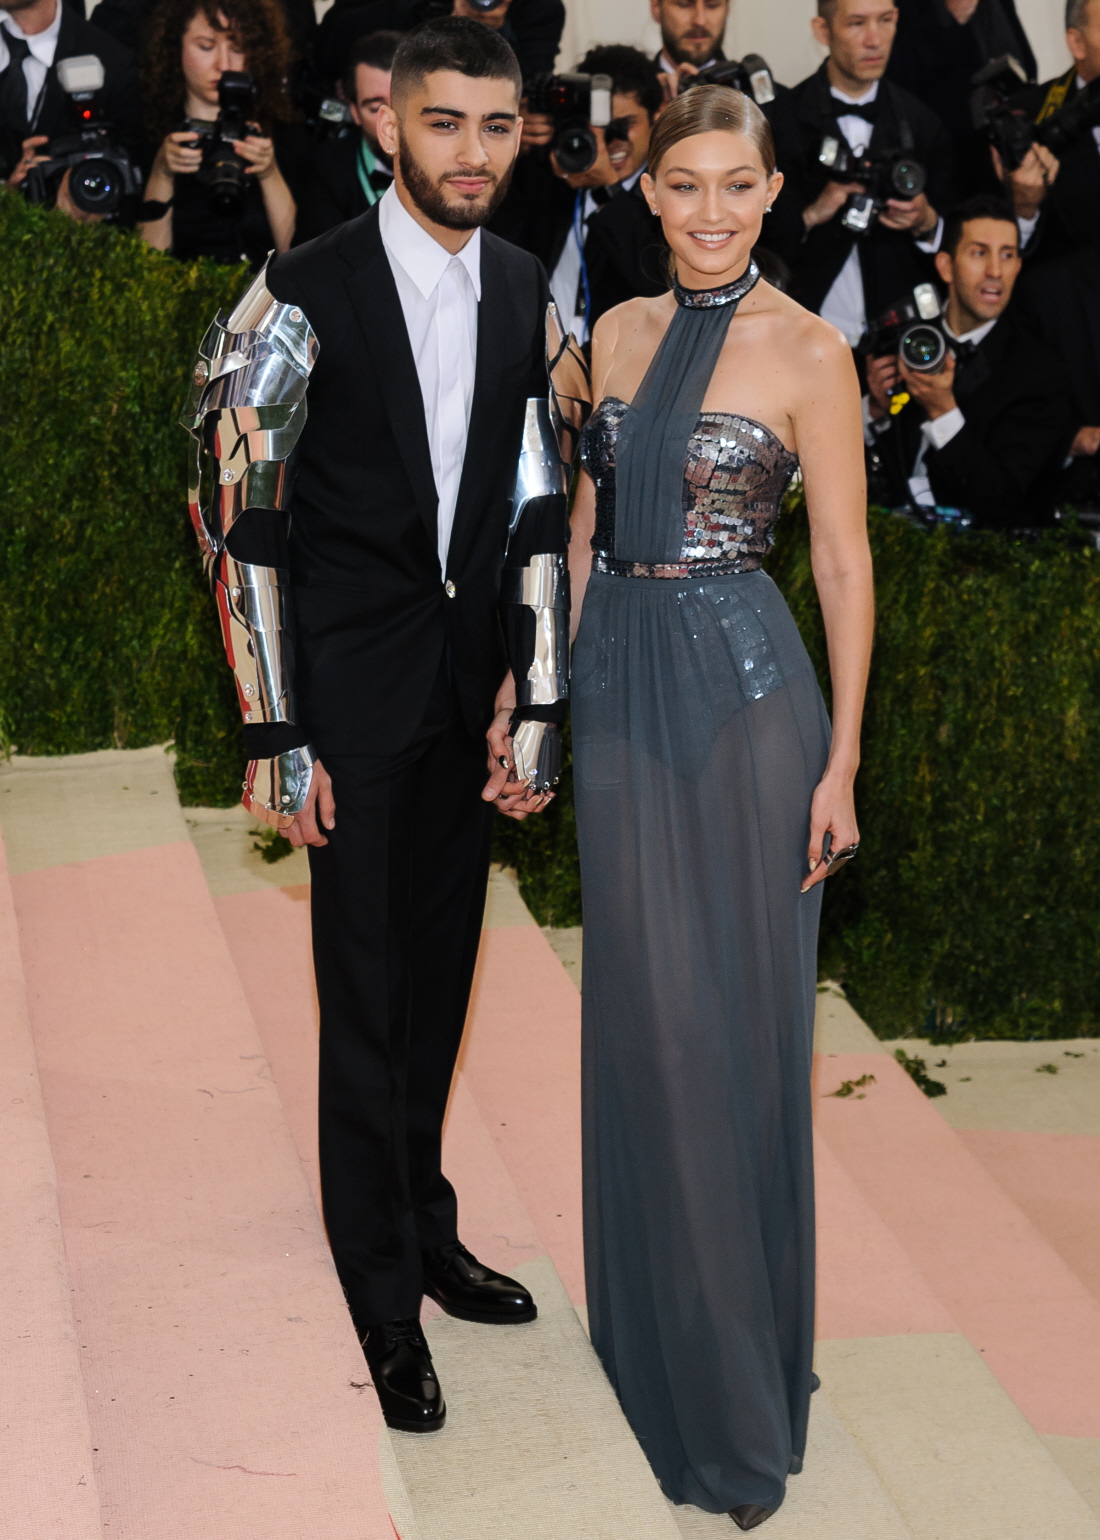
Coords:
416,339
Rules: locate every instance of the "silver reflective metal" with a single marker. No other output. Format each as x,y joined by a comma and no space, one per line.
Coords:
541,471
536,749
245,411
543,585
280,785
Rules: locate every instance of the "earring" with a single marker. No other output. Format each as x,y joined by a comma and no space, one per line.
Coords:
768,209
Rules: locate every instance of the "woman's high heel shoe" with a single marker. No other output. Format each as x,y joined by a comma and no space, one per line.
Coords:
749,1515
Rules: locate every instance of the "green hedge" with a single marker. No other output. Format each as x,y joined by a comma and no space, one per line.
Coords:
972,909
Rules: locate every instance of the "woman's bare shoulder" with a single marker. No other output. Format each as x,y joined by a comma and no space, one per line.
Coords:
631,316
805,337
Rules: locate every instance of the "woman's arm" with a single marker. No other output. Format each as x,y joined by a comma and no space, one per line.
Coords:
178,155
279,203
582,525
829,436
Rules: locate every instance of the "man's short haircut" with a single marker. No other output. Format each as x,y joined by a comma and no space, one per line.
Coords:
452,43
984,206
1077,13
827,8
376,50
632,72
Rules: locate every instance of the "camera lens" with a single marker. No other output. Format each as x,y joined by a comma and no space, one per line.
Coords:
575,148
226,185
908,178
95,187
923,348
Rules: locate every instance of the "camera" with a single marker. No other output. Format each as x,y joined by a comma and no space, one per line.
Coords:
222,170
577,104
912,327
1010,129
893,175
749,75
101,173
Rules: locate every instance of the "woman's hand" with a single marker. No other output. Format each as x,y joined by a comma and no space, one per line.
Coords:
179,155
259,152
833,812
513,798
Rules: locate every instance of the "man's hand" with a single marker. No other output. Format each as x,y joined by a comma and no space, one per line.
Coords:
1086,442
29,157
916,215
829,202
672,80
1031,181
935,392
301,829
538,128
513,798
882,383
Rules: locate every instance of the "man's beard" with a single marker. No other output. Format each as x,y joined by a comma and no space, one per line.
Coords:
431,200
688,50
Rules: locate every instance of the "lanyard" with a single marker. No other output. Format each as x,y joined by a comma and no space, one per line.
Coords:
579,235
366,165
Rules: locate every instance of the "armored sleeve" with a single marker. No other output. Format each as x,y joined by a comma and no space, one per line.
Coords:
245,412
535,591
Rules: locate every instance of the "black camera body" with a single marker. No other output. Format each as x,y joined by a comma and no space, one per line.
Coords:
1010,128
749,75
912,328
896,174
577,103
102,177
223,171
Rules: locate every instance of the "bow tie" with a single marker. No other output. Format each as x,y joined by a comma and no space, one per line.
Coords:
868,111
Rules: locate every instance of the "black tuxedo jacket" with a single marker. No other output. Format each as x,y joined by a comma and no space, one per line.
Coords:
333,193
626,252
1002,465
537,212
1070,219
889,259
373,619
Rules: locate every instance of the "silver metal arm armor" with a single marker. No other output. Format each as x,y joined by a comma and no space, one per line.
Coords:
245,411
536,574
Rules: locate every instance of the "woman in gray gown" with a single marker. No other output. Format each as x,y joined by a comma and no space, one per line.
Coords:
710,806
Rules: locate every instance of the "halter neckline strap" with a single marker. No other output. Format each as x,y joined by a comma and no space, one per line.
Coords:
711,299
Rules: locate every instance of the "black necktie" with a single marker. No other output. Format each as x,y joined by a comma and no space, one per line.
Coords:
13,87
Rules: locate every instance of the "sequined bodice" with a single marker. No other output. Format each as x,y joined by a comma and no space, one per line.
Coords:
735,476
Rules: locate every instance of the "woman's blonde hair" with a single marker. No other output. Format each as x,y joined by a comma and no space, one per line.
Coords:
707,110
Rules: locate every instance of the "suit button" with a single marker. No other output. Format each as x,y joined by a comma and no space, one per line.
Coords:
449,589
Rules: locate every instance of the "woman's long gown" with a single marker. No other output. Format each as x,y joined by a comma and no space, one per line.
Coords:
699,734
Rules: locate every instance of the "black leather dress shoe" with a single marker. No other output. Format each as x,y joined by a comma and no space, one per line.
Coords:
466,1288
749,1515
404,1376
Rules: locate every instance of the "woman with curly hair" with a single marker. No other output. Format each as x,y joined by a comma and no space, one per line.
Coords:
189,47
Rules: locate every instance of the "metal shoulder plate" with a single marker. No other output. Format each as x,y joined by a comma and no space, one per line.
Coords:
245,410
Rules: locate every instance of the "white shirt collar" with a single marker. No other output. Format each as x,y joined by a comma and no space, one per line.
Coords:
36,41
856,101
979,334
419,253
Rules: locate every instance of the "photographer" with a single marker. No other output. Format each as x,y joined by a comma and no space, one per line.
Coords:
984,434
691,36
848,105
1057,201
189,50
531,28
350,174
549,211
35,35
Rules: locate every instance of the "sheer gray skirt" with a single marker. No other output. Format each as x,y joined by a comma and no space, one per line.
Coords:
699,734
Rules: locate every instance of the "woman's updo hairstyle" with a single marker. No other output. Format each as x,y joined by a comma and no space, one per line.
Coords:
708,110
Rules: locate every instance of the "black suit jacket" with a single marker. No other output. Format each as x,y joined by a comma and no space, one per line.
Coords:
334,192
532,28
120,99
890,260
1070,219
626,252
1002,465
537,211
372,616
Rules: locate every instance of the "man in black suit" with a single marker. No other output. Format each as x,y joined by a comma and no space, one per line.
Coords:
1057,200
417,342
349,175
986,435
844,276
691,37
34,36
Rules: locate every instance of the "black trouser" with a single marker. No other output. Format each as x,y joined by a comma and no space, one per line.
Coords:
397,906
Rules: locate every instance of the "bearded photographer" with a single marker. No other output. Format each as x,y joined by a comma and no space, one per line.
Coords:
691,38
843,275
36,35
191,46
986,433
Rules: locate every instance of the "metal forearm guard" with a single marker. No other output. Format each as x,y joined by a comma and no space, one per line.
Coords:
245,411
536,576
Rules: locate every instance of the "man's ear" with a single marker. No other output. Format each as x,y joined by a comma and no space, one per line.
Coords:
1076,43
655,10
819,26
945,266
388,125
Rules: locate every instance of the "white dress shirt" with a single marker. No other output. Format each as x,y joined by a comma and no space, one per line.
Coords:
439,296
844,305
42,45
565,280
